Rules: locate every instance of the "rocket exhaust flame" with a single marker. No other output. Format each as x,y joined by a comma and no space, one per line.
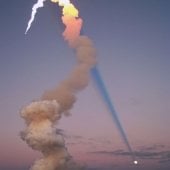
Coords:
39,4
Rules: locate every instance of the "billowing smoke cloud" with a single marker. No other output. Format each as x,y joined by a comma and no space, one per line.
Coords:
42,116
41,135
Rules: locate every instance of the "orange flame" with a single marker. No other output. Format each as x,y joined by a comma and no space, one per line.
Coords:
69,8
70,20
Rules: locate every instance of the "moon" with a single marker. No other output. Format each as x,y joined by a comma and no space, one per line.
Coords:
135,162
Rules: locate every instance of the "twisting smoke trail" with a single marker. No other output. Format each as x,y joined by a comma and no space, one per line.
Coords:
42,116
39,4
105,95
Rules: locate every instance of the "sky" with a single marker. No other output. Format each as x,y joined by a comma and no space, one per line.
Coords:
132,40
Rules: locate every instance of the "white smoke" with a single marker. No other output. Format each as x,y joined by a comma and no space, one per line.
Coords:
39,4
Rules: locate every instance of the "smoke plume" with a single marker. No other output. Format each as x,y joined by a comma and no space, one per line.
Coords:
42,116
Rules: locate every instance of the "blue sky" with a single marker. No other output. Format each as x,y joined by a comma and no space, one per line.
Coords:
132,39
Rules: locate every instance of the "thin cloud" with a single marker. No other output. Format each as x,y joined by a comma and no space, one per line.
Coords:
161,156
151,148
